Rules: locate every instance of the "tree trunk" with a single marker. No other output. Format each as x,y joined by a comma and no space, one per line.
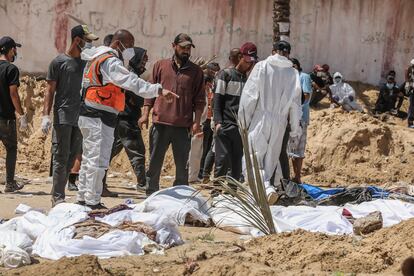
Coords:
281,22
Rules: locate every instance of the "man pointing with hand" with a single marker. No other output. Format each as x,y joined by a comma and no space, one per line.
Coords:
104,80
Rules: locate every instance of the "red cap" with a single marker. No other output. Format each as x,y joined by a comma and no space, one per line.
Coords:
249,52
317,68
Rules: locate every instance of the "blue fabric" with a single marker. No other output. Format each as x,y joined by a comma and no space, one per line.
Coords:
306,85
318,193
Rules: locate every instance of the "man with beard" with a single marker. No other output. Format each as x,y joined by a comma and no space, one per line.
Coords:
173,122
128,131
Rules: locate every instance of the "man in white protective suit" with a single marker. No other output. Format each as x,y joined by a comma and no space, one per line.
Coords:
343,94
104,80
271,97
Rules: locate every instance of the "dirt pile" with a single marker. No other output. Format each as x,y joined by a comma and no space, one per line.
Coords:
353,148
83,266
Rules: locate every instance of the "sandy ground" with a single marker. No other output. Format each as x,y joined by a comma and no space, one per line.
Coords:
344,149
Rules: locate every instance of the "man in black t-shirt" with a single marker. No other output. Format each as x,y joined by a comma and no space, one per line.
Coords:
64,79
9,104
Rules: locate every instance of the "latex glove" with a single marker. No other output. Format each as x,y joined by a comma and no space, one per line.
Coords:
46,124
23,122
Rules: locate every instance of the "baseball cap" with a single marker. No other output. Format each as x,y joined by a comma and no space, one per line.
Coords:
183,40
249,52
6,42
82,31
282,46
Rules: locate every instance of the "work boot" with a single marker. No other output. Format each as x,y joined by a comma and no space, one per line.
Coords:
13,186
98,206
107,193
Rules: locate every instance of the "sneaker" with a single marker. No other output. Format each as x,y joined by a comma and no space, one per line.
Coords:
98,206
13,186
72,186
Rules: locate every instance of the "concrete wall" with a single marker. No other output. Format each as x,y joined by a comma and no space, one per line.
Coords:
361,38
43,26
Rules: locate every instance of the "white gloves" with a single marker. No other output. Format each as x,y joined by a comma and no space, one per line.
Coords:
23,122
46,124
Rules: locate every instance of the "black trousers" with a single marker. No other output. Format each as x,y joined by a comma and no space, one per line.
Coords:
66,145
128,136
161,136
207,142
8,136
411,111
283,159
229,151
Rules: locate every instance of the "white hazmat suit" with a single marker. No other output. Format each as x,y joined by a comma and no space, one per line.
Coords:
271,95
97,136
344,94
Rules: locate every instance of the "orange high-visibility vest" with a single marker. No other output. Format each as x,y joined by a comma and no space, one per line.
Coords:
107,97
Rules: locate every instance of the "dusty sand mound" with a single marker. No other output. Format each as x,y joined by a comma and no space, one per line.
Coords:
84,266
353,148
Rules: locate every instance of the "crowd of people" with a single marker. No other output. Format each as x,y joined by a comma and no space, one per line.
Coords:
101,105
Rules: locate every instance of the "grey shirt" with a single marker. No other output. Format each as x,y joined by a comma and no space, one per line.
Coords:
67,72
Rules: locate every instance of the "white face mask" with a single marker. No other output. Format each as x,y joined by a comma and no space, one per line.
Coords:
337,80
88,45
127,55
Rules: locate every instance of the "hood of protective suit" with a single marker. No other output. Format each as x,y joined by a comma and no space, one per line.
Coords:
279,61
412,61
89,54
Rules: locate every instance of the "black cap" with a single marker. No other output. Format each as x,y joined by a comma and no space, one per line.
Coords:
282,46
183,40
6,42
82,31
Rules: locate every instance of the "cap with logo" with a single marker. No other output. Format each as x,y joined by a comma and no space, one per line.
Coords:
83,32
6,42
249,52
282,46
183,40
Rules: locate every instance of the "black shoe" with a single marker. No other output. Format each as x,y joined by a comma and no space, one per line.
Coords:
13,186
98,206
56,201
82,203
141,187
108,193
72,186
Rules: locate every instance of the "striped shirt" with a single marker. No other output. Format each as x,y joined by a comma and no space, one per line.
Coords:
230,83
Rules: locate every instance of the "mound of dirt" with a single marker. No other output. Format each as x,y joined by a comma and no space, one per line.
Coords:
84,266
352,148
